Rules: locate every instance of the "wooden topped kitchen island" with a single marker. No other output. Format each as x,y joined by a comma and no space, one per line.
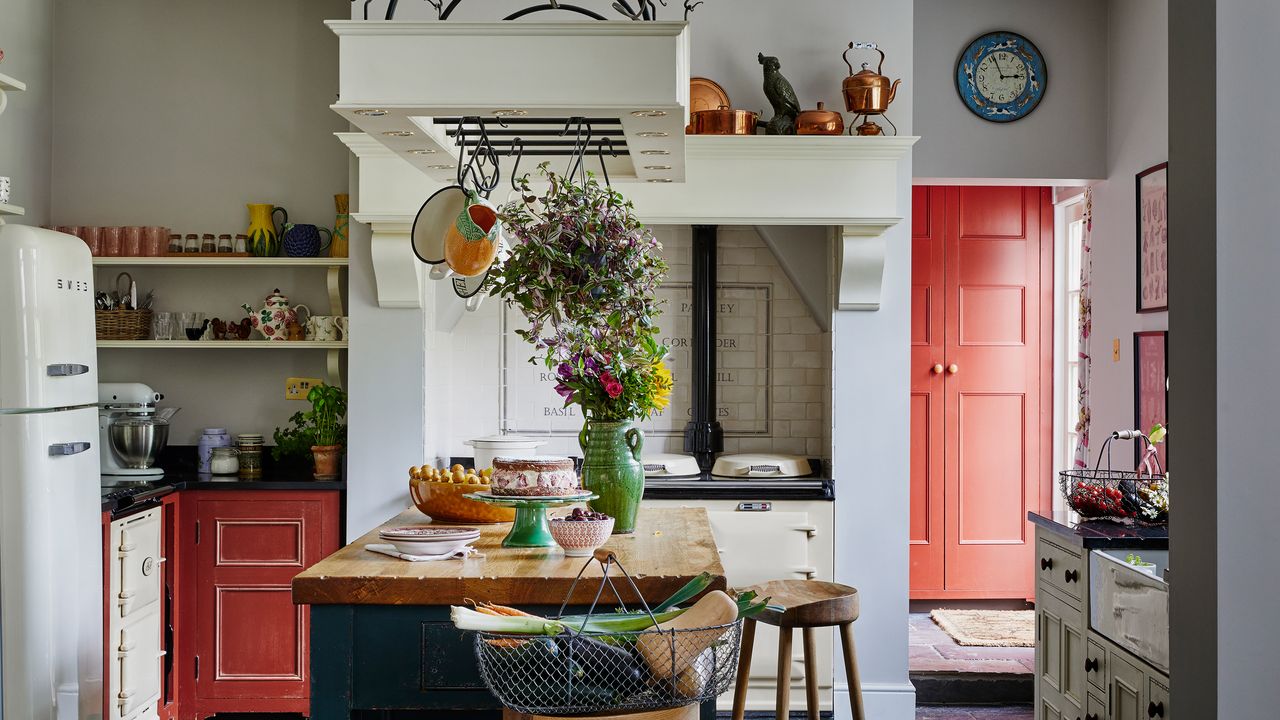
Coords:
381,638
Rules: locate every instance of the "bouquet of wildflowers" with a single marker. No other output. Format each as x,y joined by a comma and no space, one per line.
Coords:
585,272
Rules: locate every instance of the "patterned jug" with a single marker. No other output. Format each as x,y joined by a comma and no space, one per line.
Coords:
264,239
302,240
471,242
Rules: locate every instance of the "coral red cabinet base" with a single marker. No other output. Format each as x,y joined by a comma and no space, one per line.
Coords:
247,642
981,377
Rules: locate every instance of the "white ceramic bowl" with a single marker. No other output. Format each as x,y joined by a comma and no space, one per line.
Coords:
429,540
580,538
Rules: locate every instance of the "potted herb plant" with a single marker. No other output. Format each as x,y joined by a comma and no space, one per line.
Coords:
328,406
584,272
1139,564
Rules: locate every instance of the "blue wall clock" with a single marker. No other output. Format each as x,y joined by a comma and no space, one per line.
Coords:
1001,77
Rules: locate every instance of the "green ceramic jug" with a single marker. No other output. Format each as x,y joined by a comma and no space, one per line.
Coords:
611,468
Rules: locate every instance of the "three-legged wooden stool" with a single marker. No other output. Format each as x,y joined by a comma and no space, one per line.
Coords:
808,604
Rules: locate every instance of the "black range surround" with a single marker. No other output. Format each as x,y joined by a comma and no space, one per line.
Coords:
1102,535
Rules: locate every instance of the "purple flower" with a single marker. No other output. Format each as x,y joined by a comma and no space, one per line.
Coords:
564,391
564,371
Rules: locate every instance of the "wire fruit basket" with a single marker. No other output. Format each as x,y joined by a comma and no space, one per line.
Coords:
576,673
1118,495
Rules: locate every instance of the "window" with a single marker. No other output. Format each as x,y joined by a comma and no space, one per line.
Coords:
1068,249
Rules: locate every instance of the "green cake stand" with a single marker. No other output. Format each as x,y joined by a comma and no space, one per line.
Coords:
531,528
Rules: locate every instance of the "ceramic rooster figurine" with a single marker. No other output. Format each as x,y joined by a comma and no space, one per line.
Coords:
781,96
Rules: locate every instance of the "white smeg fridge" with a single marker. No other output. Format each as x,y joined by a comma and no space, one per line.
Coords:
50,502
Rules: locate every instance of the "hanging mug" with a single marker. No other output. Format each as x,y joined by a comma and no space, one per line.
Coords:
303,240
471,242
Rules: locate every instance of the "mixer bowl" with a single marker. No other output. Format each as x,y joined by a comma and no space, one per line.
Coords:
137,442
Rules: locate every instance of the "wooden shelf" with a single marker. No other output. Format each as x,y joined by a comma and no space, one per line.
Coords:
10,83
7,209
225,344
239,262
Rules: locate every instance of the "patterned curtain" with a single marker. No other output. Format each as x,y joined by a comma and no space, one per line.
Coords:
1085,330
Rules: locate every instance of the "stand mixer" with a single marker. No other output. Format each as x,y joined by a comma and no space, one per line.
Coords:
131,432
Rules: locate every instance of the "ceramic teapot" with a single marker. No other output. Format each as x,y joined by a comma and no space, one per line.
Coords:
868,92
272,319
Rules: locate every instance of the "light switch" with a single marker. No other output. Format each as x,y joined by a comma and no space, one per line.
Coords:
1115,350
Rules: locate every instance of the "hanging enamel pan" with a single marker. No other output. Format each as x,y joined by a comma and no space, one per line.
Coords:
434,218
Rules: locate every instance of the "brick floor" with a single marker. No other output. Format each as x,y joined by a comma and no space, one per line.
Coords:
932,650
946,712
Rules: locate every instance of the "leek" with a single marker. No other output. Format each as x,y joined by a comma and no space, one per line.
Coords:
691,588
468,619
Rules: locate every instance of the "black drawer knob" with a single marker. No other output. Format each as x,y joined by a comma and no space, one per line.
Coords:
1072,575
1155,709
1046,563
1091,665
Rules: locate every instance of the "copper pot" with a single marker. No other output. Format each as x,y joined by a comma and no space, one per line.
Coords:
819,122
724,121
868,92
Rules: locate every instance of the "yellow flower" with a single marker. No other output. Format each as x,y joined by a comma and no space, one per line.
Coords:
662,385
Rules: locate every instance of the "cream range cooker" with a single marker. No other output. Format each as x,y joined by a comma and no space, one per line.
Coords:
135,596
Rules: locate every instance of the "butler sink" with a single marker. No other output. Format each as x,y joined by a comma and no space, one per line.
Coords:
1131,607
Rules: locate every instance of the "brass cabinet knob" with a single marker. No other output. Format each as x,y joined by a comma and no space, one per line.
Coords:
937,369
953,368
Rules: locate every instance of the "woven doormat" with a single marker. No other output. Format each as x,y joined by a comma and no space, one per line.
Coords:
989,628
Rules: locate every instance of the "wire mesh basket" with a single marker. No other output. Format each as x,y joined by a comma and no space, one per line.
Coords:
577,673
1118,495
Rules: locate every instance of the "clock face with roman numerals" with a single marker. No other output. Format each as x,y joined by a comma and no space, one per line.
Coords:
1001,77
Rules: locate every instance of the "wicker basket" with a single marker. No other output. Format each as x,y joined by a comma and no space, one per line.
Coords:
123,324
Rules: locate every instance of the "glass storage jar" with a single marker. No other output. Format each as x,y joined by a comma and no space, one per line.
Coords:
224,461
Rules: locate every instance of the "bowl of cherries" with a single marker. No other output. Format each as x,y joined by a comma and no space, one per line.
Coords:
581,531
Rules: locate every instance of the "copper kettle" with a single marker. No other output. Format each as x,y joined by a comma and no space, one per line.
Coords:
868,92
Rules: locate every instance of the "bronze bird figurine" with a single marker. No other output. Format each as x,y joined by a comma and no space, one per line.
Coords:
781,96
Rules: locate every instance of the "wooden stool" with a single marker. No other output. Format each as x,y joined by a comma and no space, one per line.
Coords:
808,604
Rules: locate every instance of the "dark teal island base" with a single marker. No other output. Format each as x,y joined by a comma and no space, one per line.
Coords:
388,662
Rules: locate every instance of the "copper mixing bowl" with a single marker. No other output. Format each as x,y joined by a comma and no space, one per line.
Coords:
724,121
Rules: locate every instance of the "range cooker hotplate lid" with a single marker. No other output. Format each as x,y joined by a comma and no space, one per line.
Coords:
750,466
660,465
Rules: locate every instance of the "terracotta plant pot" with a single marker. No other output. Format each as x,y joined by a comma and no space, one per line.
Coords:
328,461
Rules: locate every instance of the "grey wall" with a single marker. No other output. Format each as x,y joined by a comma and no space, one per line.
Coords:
1063,139
1137,138
1248,341
26,36
177,114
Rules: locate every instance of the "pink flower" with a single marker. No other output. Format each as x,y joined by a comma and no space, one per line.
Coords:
611,385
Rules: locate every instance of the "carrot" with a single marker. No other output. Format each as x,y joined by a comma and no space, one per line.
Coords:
504,610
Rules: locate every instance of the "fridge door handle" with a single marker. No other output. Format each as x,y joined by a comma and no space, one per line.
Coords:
71,448
66,369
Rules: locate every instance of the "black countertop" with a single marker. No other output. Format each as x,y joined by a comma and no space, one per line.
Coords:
1101,534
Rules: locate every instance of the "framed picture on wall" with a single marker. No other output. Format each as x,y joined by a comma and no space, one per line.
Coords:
1151,387
1153,238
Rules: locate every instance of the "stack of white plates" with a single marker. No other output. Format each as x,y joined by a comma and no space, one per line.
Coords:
422,540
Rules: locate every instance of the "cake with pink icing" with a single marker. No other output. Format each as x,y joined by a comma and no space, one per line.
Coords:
539,476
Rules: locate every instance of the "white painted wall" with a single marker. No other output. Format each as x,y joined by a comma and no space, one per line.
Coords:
870,388
178,114
1064,138
26,36
1137,138
1248,172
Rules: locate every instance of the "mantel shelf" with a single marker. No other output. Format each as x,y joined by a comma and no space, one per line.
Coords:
222,344
233,262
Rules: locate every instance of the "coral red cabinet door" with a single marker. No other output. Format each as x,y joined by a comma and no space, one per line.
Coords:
998,348
251,640
928,352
